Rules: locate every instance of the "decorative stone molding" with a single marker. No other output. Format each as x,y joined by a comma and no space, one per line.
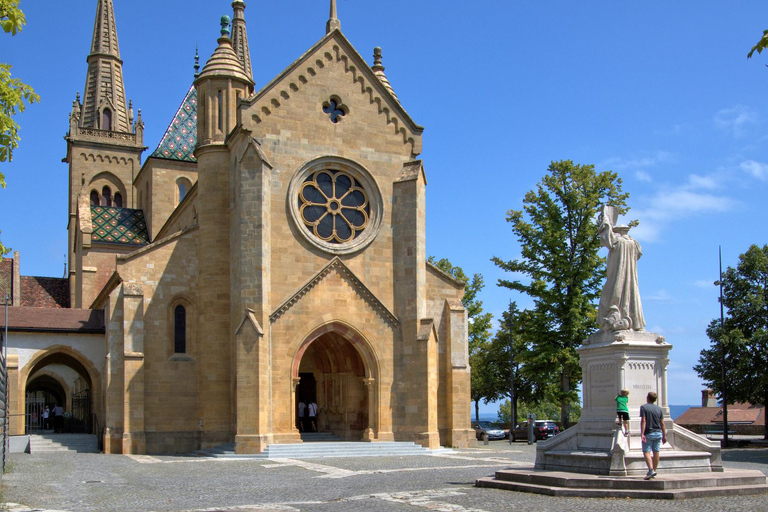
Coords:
641,365
337,265
303,70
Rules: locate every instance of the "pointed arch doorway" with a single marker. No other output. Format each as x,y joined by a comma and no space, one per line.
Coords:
336,368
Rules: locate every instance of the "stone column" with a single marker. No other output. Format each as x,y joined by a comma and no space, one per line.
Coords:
370,431
134,439
16,403
413,393
115,374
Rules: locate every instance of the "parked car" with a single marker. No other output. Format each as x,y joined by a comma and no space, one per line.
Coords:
542,429
493,430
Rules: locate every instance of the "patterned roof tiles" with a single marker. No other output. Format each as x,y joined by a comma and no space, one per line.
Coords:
180,138
119,225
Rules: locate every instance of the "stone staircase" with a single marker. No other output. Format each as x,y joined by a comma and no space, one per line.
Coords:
664,486
80,443
318,445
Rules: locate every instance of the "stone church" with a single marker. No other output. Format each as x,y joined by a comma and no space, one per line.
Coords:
269,250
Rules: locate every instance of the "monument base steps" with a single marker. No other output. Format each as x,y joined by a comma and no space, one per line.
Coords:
665,486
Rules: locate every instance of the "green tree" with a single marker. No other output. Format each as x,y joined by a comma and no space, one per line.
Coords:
761,45
506,377
479,328
557,232
744,333
13,92
543,409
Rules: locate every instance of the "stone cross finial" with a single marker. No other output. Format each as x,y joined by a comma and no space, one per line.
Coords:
197,62
333,20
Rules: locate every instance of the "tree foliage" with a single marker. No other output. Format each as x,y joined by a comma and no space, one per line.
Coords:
761,45
557,232
743,339
479,329
13,92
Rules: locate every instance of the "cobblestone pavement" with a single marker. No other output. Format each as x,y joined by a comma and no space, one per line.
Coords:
106,483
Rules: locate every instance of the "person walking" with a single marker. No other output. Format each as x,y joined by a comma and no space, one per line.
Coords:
302,415
46,416
312,409
653,433
58,419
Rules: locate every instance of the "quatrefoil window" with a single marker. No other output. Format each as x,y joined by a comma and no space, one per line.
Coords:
335,109
334,206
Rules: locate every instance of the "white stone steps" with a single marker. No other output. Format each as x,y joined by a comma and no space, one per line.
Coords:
323,449
80,443
664,486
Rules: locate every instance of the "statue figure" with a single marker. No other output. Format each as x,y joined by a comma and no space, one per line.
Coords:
620,307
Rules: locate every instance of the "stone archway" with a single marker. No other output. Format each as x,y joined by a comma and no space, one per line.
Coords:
44,364
336,367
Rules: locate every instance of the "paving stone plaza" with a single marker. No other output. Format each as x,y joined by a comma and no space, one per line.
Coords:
445,482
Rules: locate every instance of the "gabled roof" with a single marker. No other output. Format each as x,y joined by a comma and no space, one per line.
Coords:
55,320
119,225
180,138
44,292
274,94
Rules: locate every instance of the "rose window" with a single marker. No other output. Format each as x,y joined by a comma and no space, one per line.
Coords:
334,206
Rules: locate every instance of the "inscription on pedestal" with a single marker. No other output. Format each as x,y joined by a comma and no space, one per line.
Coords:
602,384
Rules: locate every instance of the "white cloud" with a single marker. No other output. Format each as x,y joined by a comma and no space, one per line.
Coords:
710,182
660,296
638,164
757,169
643,176
674,203
736,120
704,283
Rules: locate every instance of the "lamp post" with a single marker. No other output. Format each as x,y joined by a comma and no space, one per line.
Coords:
724,385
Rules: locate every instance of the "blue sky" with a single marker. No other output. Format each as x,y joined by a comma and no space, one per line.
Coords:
660,92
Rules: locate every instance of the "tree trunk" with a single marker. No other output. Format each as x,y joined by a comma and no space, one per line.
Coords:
564,408
477,410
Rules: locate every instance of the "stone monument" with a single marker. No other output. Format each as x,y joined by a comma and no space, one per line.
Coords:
622,354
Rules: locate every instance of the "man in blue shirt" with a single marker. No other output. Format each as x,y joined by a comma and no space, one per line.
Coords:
653,433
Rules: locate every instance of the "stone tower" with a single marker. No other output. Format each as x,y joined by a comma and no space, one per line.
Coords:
104,145
220,86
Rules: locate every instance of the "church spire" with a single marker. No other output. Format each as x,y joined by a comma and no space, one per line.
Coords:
333,20
104,105
240,37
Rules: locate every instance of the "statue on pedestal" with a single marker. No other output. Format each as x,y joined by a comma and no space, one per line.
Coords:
620,307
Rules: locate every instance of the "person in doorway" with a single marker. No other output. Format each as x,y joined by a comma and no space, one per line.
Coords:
302,415
312,409
46,418
58,419
622,410
653,433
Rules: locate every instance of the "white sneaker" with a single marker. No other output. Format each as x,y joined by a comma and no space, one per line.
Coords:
651,473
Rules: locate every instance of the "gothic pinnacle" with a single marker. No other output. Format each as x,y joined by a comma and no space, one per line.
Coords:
333,20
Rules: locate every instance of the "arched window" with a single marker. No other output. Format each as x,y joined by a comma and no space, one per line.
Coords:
106,119
94,198
106,196
179,330
182,190
118,200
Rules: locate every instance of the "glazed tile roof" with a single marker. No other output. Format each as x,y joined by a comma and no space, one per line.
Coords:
55,319
180,138
119,225
44,292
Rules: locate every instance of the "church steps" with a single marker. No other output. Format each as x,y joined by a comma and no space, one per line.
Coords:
80,443
326,449
664,486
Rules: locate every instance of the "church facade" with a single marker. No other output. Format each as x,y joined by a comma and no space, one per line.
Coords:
270,250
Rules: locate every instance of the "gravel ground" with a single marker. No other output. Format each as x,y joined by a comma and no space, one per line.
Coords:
87,482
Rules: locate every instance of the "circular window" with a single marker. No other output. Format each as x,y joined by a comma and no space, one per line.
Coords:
336,204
